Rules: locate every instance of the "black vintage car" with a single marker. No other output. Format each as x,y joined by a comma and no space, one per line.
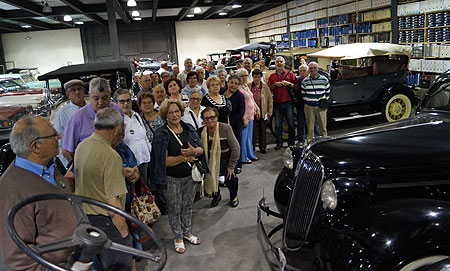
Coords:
375,199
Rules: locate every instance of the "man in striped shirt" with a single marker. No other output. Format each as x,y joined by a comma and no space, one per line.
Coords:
314,88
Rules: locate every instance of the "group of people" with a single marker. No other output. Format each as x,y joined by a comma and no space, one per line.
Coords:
184,120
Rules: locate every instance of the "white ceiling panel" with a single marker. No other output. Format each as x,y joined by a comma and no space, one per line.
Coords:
4,6
46,20
52,3
168,12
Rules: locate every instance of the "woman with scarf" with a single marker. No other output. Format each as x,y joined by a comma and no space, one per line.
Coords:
222,153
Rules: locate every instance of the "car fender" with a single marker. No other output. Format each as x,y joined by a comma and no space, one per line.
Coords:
398,88
385,235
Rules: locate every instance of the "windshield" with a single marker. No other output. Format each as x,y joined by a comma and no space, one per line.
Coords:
441,99
28,79
11,85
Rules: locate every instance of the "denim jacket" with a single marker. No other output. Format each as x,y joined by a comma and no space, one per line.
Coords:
159,149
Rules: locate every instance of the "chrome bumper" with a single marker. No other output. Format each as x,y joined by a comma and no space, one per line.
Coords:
276,251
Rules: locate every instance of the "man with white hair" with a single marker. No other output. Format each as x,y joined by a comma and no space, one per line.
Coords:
201,82
187,69
279,81
99,175
175,71
248,62
163,67
81,125
314,88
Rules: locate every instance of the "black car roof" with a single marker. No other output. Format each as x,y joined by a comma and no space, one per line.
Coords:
76,71
17,70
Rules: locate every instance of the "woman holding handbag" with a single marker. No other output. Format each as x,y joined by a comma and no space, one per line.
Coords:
176,146
222,152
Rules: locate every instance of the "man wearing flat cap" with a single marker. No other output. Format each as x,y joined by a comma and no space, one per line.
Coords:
75,92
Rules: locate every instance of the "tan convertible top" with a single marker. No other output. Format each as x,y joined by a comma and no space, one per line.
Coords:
362,50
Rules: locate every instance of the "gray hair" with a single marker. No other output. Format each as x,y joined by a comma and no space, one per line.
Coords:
222,71
164,64
313,63
220,67
249,59
211,64
242,72
282,58
20,139
108,119
187,59
199,68
304,66
119,92
196,90
100,85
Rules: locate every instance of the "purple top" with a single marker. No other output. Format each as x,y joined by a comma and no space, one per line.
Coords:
80,126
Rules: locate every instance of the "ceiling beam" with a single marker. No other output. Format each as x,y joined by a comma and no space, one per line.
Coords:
155,9
35,23
10,27
185,11
121,12
248,9
79,7
213,10
32,8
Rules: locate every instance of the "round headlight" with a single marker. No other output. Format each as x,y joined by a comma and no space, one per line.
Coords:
288,161
329,196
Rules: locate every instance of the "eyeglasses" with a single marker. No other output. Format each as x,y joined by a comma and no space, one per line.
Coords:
54,136
124,101
209,118
195,99
173,112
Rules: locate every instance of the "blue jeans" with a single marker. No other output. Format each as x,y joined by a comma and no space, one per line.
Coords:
246,143
301,124
284,109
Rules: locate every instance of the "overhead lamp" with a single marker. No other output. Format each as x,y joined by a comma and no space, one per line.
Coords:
222,13
25,26
46,7
67,18
78,22
208,1
28,37
135,13
236,6
137,19
197,10
131,3
190,15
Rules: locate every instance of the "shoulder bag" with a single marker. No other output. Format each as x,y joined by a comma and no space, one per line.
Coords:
197,176
290,90
323,102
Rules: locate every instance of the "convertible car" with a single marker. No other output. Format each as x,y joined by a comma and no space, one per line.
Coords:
374,199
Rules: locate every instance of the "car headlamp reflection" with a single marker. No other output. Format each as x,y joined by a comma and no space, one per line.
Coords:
288,160
329,195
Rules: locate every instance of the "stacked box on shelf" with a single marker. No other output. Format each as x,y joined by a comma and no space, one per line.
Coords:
415,65
342,19
323,32
417,50
446,65
322,22
444,51
414,79
364,28
432,50
312,43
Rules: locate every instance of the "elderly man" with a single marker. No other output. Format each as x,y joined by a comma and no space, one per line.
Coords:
99,174
81,125
35,143
75,92
187,69
314,88
201,82
146,82
247,65
278,83
210,70
301,121
175,71
163,67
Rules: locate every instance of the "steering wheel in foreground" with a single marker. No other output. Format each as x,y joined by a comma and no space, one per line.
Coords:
85,236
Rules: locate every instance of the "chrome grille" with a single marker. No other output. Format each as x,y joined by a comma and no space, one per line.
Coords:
303,202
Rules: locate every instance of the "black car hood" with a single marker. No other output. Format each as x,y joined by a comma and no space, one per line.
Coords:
420,141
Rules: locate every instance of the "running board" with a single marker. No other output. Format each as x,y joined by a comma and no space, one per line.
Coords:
357,117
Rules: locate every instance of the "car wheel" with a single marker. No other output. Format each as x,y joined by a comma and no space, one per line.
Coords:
419,264
397,107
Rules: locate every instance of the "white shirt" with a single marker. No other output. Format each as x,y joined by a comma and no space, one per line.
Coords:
203,85
187,118
135,138
61,117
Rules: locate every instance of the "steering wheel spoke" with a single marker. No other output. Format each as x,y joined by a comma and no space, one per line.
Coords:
126,249
55,246
77,206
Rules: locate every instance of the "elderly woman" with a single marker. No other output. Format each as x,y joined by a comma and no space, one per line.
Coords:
192,113
175,146
214,99
160,95
135,136
173,89
222,74
222,152
263,99
201,82
247,153
191,79
152,121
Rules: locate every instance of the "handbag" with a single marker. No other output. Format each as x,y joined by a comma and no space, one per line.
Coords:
144,207
323,102
291,91
196,175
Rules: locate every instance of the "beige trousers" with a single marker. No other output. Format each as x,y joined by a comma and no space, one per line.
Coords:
311,114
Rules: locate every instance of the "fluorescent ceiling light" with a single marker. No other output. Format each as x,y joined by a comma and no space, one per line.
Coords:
222,13
25,26
236,6
137,18
78,22
46,8
131,3
190,15
135,13
197,10
67,18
